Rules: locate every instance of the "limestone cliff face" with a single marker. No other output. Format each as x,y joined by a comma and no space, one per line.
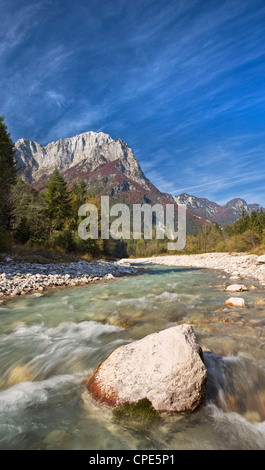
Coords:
86,152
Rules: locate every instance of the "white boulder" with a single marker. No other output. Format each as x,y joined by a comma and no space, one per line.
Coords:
236,288
165,367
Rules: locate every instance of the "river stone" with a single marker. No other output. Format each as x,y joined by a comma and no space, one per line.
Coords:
165,367
236,288
235,302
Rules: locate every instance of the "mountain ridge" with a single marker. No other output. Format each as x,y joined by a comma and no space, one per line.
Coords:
109,167
216,213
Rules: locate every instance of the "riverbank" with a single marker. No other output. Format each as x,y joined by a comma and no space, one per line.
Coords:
22,278
239,265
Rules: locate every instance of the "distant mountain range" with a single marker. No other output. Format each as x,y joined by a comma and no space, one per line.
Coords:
109,168
223,215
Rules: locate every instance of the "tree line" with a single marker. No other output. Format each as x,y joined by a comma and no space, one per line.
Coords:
47,220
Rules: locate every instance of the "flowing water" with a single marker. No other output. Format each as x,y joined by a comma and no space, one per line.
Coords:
50,344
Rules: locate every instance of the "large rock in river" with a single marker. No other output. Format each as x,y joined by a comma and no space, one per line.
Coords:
165,367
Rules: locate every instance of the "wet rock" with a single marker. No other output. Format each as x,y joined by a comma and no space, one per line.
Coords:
227,320
235,302
260,302
19,374
236,288
165,367
57,438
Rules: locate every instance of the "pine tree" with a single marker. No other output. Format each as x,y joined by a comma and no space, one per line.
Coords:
57,198
243,223
78,196
255,222
7,174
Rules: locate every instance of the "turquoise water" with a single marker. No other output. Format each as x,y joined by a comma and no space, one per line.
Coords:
50,344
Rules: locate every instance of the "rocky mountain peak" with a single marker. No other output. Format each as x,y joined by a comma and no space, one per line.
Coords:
85,151
236,203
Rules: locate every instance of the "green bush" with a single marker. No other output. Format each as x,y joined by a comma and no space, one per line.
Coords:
22,232
4,241
63,240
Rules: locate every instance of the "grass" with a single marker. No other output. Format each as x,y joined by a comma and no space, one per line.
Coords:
43,255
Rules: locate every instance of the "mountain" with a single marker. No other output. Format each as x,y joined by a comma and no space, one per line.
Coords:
215,213
83,153
107,166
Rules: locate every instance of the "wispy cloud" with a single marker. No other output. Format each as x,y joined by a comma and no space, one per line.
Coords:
227,181
181,81
55,97
17,27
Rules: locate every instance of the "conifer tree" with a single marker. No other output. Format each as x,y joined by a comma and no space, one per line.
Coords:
7,174
57,198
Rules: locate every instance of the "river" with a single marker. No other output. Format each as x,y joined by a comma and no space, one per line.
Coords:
49,344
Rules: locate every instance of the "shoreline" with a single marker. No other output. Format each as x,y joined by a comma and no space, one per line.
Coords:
25,279
238,265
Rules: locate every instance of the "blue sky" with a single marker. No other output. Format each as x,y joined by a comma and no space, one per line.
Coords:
182,82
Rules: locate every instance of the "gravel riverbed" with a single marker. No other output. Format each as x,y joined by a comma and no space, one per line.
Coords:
21,278
239,265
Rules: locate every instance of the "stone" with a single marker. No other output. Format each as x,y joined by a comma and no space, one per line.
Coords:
261,259
260,302
109,276
236,288
235,302
164,367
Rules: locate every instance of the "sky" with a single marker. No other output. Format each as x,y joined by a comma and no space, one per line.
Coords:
181,82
